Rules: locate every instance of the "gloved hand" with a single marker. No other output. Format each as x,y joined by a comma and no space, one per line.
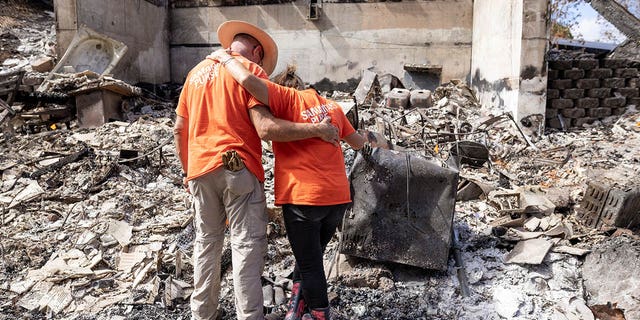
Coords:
232,161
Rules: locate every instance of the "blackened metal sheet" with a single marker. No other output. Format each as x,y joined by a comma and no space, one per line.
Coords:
385,224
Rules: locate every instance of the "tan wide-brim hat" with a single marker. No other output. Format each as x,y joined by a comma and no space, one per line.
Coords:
229,29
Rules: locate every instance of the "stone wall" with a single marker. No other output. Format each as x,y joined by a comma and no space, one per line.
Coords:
584,90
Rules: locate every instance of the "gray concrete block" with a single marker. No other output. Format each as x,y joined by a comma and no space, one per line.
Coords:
626,73
561,103
553,93
420,98
42,64
633,83
599,73
554,123
613,83
562,84
634,101
587,83
573,74
613,102
550,113
573,113
398,98
561,64
573,93
628,92
599,112
587,103
582,121
614,63
586,64
553,74
610,273
618,111
599,92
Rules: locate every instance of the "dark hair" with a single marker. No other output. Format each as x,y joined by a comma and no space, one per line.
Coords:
289,78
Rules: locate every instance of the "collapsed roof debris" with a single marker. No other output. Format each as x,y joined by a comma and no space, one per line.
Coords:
95,224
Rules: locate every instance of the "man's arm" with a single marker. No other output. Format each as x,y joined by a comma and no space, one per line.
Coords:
355,140
243,76
268,126
275,129
181,139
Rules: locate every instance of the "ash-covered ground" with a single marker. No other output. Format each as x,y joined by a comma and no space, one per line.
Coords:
62,248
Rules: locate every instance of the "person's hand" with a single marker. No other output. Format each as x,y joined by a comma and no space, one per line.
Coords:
221,54
328,132
185,184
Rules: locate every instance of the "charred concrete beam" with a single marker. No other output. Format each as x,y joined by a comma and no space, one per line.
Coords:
619,16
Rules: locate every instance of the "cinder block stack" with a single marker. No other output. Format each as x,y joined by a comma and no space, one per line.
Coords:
585,90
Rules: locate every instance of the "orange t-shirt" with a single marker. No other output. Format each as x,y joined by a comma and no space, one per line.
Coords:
217,110
310,171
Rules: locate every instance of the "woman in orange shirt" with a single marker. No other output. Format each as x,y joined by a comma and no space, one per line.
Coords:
311,183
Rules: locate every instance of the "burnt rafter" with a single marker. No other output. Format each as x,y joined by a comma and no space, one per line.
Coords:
60,163
619,16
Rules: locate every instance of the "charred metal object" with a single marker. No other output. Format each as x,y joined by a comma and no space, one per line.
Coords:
471,153
402,209
60,163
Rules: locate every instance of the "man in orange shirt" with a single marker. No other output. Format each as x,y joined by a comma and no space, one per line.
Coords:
215,115
310,181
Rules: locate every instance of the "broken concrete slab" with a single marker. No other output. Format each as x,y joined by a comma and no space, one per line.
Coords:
610,274
530,251
368,89
121,231
42,64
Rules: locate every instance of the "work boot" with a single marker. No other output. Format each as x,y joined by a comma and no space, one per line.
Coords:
295,307
318,314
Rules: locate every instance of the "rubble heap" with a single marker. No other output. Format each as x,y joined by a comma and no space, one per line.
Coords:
96,225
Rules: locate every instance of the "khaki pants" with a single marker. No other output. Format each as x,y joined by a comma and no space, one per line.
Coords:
241,196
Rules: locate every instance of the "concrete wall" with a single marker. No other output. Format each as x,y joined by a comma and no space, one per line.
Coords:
533,65
508,60
346,39
141,25
498,46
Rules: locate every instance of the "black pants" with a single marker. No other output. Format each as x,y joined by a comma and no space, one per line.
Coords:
309,229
